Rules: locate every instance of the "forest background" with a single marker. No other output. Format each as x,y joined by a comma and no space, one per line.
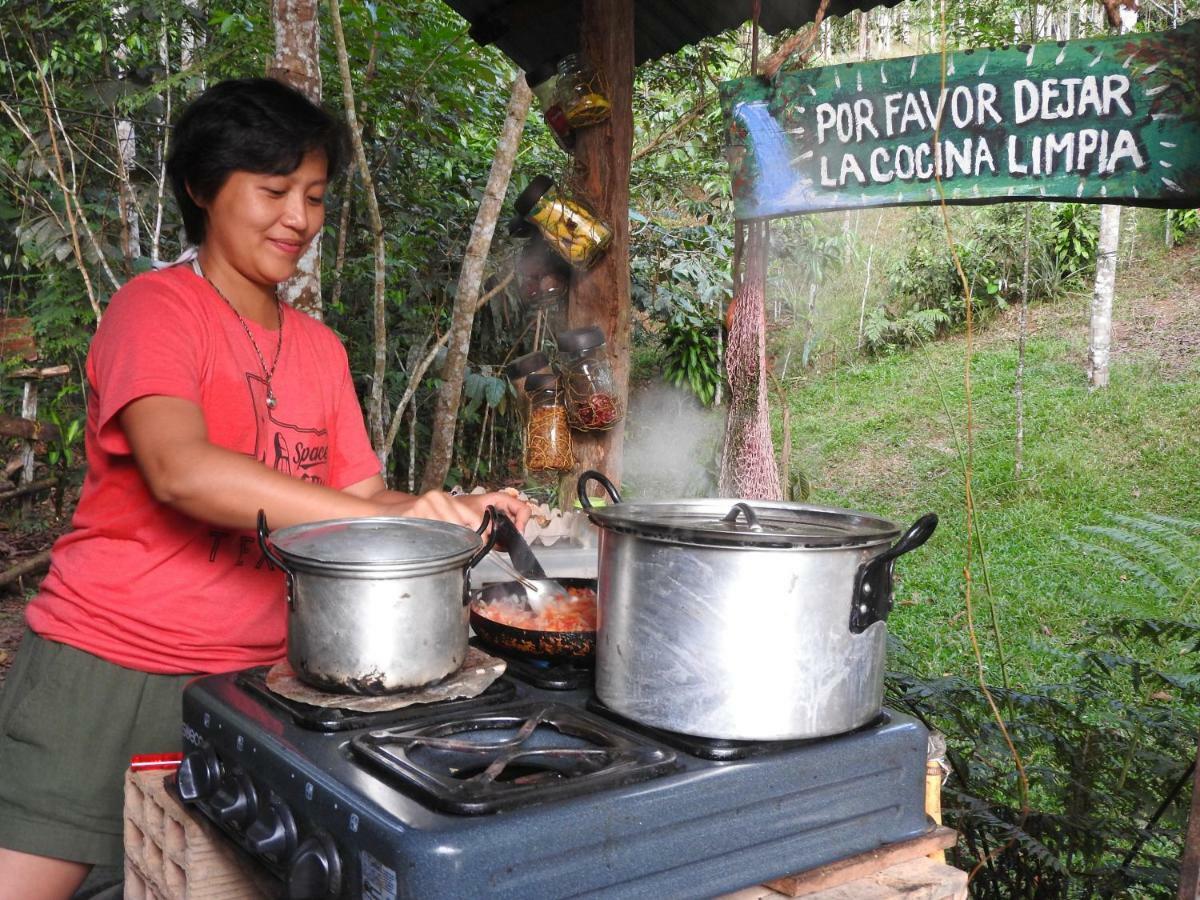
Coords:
1066,683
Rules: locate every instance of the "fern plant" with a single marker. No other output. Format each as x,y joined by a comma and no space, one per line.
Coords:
1108,752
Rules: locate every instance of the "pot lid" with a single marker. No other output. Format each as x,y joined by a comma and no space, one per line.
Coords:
391,543
745,523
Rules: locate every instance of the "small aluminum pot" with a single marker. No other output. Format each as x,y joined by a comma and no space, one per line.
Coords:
375,605
743,620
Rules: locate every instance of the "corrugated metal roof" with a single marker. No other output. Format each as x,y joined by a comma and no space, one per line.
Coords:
535,32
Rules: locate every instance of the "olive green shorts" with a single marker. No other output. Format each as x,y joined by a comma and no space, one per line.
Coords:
69,723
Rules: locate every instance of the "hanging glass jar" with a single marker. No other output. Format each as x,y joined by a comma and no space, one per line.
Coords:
591,395
582,93
543,81
523,366
568,225
547,434
543,277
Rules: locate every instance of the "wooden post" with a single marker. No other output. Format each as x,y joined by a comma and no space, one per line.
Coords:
1189,871
29,405
601,295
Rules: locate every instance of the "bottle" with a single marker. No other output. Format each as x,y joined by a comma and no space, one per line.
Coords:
581,92
543,277
567,224
591,396
523,366
547,434
543,81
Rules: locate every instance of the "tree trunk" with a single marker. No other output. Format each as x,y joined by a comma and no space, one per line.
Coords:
601,296
375,400
1102,298
470,278
1107,246
297,62
1019,385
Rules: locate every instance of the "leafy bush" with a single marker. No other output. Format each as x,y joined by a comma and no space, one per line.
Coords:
689,352
680,280
1184,222
1076,234
926,290
1108,753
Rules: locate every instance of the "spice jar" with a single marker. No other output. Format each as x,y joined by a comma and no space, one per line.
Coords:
543,277
591,396
523,366
543,81
581,92
547,434
569,226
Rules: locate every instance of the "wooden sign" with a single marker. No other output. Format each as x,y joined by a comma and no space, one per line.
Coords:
1109,120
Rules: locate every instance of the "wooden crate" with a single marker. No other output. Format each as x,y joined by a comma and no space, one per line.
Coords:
171,856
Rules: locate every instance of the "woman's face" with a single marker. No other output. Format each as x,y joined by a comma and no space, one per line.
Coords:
260,225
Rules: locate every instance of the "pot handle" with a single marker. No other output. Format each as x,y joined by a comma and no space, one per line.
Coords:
489,515
592,475
873,587
748,511
271,554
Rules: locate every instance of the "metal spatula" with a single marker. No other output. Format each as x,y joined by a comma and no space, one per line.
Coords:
525,569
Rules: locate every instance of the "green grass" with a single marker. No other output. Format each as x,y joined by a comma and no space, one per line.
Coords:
889,437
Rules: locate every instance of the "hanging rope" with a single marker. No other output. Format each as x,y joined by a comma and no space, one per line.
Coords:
748,467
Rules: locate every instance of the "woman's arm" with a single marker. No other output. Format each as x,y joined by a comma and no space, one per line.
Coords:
466,509
187,472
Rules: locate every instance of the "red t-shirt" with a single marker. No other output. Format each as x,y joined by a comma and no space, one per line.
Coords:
149,588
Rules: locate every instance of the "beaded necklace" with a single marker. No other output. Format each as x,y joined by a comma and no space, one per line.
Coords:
268,372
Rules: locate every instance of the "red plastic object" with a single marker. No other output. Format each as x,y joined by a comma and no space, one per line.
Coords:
146,761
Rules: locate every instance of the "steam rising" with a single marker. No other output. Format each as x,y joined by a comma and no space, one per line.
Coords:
672,444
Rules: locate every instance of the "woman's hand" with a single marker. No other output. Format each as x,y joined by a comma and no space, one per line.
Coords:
465,509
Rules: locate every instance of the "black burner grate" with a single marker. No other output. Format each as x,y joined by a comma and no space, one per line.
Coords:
320,718
507,758
717,749
549,675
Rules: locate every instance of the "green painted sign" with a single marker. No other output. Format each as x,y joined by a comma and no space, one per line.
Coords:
1110,120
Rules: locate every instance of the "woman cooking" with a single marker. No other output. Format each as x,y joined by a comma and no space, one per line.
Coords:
208,399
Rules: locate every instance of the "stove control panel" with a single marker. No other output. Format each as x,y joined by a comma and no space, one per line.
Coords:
259,820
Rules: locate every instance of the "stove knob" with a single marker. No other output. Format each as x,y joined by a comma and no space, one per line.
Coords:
199,774
235,802
273,833
316,870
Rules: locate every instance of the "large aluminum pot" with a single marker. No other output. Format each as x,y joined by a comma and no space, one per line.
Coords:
375,605
743,620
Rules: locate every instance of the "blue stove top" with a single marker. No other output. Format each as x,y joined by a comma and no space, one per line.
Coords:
339,814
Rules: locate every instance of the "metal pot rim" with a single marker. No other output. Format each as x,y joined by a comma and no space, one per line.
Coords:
723,522
376,546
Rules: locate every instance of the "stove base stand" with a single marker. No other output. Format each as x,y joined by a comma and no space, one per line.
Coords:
900,870
171,854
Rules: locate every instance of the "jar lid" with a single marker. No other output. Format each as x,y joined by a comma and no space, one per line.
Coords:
540,73
576,339
529,197
518,227
724,523
370,545
527,364
541,382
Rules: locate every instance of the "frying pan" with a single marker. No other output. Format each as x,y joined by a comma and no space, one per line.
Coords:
529,642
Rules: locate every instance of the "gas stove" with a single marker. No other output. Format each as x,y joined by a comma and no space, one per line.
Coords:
532,791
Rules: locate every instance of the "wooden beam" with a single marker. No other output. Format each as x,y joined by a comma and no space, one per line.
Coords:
847,870
601,295
10,426
39,374
1189,872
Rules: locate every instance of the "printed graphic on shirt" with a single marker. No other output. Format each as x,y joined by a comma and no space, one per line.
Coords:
292,449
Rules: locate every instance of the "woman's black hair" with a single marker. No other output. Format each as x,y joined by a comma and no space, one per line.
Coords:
252,124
